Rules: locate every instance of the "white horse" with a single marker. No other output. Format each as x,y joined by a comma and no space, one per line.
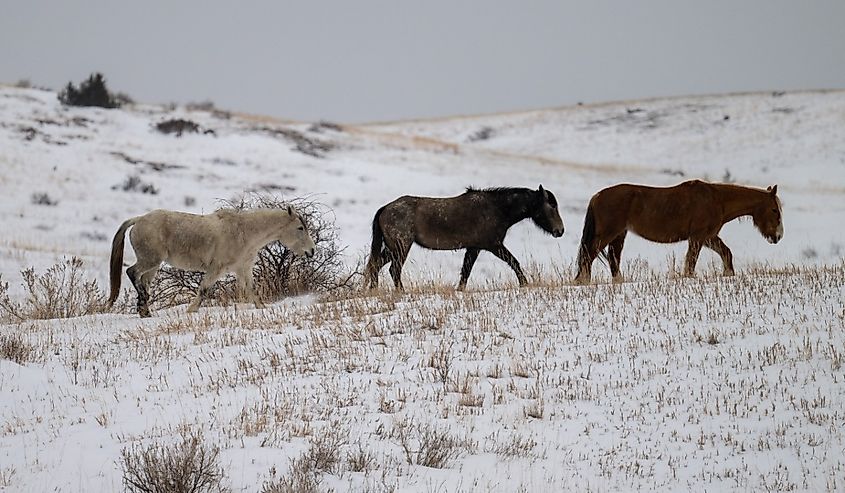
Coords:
218,243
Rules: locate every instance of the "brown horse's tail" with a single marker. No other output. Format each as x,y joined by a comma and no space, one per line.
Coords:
588,237
375,249
117,259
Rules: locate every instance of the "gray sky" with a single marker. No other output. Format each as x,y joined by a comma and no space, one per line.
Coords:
353,61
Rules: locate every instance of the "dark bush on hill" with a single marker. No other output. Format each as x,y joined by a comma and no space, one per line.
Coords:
91,92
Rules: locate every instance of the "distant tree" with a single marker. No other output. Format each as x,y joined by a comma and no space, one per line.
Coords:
91,92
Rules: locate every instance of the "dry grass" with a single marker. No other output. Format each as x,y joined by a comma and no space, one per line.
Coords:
13,347
60,292
564,382
190,466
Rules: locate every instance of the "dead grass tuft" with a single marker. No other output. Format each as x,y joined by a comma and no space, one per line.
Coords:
60,292
14,348
190,466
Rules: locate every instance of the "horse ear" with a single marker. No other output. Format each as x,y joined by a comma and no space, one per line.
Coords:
290,210
774,189
541,188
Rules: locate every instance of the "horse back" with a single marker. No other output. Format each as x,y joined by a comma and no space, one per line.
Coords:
186,241
465,221
661,214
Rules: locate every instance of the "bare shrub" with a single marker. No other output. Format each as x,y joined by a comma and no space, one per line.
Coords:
189,466
300,479
60,292
483,133
360,460
323,455
134,183
306,145
41,198
325,125
426,445
14,348
277,273
177,126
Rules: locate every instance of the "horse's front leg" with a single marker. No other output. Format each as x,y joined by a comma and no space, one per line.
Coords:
504,254
469,260
204,290
246,286
692,257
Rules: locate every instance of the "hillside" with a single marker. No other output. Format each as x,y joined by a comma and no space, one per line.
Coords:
658,383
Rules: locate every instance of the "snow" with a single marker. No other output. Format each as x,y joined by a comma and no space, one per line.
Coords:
658,383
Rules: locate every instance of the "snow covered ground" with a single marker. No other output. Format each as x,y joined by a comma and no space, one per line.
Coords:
658,383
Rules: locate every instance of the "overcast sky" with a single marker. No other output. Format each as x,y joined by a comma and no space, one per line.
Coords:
353,61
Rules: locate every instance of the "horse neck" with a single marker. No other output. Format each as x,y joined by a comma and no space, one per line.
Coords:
518,205
257,229
739,201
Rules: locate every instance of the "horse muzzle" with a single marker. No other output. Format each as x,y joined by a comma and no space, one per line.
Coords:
557,233
309,253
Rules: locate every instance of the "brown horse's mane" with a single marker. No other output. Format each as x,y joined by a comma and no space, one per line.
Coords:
734,186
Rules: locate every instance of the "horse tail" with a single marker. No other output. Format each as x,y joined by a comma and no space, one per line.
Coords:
588,236
378,234
117,259
370,273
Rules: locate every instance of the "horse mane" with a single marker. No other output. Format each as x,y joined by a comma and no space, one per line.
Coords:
499,190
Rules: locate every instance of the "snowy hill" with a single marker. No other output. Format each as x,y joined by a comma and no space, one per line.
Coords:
658,383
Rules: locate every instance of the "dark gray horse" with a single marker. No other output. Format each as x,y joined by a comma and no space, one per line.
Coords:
476,220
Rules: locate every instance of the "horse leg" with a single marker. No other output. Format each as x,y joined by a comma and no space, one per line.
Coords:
204,290
469,260
614,255
692,257
141,276
374,266
397,259
717,245
503,253
246,286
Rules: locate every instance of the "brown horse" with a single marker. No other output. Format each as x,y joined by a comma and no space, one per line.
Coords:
693,210
476,220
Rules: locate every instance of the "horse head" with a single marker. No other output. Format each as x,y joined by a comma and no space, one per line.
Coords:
768,216
294,235
546,215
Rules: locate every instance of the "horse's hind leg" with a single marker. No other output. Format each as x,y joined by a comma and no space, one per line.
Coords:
141,275
397,260
469,260
692,257
717,245
586,257
614,255
374,266
503,253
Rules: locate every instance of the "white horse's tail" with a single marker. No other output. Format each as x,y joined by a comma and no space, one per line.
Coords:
117,259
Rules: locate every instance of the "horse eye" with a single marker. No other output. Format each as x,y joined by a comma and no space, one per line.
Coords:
301,228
